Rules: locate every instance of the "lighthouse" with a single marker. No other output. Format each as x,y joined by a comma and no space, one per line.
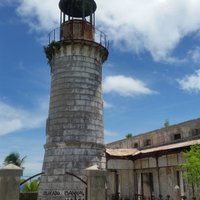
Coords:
74,127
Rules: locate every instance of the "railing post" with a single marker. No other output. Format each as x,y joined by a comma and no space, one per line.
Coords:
49,38
100,38
176,193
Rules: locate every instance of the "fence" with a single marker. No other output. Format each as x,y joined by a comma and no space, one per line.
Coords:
99,37
28,196
140,197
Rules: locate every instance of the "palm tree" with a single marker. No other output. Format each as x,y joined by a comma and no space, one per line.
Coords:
31,186
14,158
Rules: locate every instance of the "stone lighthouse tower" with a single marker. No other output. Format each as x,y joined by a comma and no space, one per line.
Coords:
74,130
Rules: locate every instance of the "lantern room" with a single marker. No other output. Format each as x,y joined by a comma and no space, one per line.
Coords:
77,19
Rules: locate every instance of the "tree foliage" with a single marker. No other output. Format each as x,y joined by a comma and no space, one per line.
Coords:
51,49
129,135
31,186
192,166
14,158
166,123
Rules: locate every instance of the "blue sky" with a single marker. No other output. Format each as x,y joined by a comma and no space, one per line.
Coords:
152,73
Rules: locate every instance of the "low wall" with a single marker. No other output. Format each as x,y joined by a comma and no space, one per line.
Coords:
28,196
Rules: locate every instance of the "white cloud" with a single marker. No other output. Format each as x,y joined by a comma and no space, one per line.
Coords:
125,86
107,105
194,54
191,83
24,145
33,166
110,136
39,15
14,119
110,133
156,26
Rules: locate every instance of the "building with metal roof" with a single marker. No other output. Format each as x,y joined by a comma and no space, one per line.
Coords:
147,166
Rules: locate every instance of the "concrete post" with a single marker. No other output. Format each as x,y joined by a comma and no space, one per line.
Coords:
139,186
176,193
182,192
10,182
96,183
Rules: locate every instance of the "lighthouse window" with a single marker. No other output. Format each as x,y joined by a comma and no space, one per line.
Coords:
177,136
135,145
147,142
195,132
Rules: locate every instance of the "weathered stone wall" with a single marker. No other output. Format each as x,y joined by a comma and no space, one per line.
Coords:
74,132
165,171
123,171
187,130
153,174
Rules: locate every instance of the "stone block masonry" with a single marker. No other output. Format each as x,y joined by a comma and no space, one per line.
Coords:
74,130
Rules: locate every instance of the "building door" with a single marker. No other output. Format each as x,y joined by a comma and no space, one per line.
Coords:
147,185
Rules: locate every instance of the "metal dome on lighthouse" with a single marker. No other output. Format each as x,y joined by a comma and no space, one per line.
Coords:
78,8
77,19
77,22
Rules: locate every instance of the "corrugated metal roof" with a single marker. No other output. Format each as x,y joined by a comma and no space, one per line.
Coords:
171,146
121,152
134,152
